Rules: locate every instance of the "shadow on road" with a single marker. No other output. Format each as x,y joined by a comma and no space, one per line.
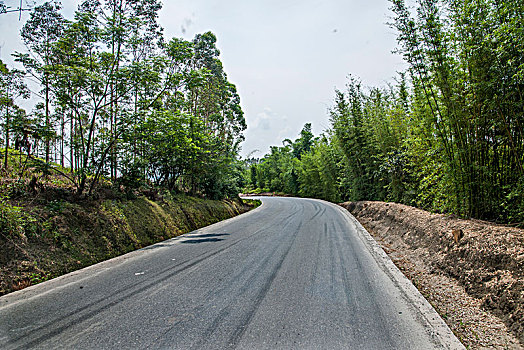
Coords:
209,235
156,246
193,241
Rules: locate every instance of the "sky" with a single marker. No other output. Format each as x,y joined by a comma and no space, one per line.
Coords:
286,57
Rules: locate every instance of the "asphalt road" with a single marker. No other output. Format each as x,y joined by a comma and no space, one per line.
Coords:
292,274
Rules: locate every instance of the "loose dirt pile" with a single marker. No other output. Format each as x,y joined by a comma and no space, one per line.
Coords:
469,270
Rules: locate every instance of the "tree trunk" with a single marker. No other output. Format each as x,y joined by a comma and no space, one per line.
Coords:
7,121
47,150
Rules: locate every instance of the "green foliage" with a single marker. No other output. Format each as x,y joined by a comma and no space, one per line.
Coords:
254,203
121,102
14,221
512,206
12,87
10,219
319,172
467,102
72,235
306,167
447,137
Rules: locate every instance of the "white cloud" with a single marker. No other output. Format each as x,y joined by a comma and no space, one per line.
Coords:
267,128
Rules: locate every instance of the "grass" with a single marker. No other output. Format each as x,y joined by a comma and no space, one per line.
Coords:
47,231
60,237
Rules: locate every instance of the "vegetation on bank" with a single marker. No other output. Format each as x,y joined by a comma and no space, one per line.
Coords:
51,232
47,229
447,136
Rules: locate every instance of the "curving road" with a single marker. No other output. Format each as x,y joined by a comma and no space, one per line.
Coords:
292,274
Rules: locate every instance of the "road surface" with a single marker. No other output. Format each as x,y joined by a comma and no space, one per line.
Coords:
292,274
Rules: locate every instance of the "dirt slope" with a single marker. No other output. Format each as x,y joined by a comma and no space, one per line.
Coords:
468,282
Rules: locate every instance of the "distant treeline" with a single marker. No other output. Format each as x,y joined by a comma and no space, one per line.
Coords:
447,136
118,101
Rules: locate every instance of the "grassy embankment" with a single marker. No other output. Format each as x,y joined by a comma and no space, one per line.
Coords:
47,231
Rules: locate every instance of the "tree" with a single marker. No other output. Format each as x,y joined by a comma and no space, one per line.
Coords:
12,87
465,59
131,106
43,29
304,143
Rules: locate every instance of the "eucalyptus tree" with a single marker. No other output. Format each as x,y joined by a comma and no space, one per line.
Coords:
132,35
130,104
202,90
158,84
95,79
43,29
83,78
213,97
12,87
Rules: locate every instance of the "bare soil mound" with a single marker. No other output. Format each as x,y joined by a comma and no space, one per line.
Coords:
486,259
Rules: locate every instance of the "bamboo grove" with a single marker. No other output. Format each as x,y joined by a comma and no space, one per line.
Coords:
119,102
447,136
